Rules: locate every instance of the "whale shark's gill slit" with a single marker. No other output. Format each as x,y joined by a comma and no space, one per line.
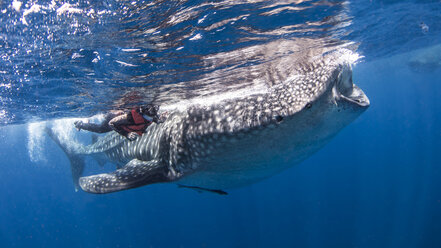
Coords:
144,148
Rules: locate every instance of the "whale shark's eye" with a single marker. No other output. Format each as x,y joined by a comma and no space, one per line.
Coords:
308,105
279,118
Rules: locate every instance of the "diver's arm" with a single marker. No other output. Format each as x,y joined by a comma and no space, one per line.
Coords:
118,121
117,112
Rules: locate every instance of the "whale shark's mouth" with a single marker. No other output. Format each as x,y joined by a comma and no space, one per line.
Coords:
348,91
357,97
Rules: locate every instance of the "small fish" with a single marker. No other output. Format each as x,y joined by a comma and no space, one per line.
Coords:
424,27
200,189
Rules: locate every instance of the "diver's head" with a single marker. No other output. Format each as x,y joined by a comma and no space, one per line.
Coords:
149,110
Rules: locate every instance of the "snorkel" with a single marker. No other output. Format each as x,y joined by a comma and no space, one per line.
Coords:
148,118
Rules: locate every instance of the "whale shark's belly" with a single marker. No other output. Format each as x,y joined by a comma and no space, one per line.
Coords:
244,158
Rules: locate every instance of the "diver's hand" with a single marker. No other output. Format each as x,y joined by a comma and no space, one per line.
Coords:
163,117
78,125
132,136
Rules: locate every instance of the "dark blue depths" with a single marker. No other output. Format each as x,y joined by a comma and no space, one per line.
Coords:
375,185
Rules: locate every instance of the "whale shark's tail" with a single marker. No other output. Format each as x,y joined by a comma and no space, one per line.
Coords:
76,160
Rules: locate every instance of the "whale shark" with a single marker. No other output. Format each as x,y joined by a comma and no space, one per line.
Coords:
222,142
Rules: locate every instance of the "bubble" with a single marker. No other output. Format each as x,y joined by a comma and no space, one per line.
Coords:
35,142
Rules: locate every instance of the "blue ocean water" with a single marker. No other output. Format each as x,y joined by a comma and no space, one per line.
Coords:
377,184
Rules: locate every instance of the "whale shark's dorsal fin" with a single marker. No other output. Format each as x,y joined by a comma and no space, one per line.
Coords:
134,174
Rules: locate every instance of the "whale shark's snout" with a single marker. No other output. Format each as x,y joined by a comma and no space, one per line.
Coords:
347,91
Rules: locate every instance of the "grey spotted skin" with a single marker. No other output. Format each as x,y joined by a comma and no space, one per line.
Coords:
232,142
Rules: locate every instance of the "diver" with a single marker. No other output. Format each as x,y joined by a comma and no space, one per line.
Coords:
129,124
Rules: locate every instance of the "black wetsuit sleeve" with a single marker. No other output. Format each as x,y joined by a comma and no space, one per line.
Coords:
102,127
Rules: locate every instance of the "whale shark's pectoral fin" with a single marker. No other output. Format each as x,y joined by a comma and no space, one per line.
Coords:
134,174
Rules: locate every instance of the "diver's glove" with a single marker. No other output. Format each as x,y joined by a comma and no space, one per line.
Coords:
132,136
162,117
78,125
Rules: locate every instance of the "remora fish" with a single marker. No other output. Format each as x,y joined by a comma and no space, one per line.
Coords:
232,142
